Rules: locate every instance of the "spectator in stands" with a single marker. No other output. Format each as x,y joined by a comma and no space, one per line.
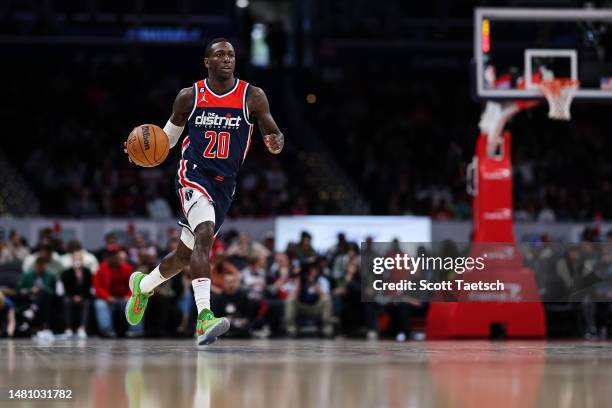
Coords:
347,295
442,211
51,258
186,305
2,245
181,285
278,277
112,292
370,308
172,240
138,245
254,283
605,290
234,304
85,258
161,305
77,297
221,266
402,312
583,263
304,251
7,316
240,250
45,237
310,297
279,284
254,278
110,240
337,257
268,243
37,288
15,250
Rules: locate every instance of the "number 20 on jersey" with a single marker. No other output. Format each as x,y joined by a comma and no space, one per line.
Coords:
218,145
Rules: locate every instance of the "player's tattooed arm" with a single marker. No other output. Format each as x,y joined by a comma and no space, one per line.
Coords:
182,107
259,109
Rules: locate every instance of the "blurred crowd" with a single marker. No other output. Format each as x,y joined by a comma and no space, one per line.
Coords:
57,290
407,155
403,137
408,136
575,284
76,167
404,157
54,290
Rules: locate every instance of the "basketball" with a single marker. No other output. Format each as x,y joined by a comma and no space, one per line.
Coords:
148,145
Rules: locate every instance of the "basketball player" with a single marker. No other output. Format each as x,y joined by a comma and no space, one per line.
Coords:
219,112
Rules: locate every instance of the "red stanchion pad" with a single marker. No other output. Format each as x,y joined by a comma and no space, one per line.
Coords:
476,312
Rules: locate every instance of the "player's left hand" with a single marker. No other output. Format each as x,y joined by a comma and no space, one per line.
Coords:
274,142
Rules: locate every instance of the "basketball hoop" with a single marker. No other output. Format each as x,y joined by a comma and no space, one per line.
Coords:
559,93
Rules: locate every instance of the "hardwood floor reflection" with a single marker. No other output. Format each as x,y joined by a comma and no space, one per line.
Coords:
312,373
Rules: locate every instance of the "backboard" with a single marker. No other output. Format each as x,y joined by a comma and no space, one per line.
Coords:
516,48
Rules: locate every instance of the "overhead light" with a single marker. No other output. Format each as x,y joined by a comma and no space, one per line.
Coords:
242,3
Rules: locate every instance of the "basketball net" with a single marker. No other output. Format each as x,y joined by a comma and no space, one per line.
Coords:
559,93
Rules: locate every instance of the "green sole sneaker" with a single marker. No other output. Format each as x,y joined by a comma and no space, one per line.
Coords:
209,327
135,307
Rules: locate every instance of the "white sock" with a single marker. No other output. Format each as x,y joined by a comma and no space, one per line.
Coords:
201,293
152,280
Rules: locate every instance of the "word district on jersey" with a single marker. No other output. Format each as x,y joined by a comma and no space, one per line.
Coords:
212,119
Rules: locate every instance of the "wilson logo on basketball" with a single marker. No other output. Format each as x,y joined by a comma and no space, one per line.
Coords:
145,137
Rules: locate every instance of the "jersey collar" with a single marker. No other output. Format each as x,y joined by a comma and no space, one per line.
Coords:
225,94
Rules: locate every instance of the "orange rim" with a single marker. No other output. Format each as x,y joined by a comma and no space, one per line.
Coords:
554,86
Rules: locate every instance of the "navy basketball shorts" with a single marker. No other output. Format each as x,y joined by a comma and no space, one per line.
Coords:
191,185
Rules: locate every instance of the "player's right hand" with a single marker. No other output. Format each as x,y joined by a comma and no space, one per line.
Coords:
126,152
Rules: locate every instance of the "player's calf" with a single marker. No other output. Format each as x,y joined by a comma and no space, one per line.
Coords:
209,327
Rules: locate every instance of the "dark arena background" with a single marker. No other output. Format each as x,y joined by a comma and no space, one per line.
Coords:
443,128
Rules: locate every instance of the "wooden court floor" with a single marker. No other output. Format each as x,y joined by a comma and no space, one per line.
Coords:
309,373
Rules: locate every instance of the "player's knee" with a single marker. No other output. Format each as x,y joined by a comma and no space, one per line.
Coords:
204,234
202,216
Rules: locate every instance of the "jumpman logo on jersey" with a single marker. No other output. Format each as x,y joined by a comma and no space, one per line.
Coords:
203,97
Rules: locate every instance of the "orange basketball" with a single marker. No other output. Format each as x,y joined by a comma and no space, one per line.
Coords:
148,145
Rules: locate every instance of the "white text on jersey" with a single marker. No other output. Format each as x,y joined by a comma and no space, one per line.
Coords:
212,119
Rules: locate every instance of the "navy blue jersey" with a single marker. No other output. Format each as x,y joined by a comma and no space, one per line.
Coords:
216,145
219,131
